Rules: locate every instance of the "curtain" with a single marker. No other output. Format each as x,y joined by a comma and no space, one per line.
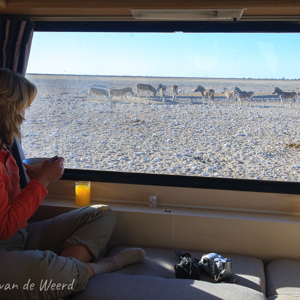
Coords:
15,42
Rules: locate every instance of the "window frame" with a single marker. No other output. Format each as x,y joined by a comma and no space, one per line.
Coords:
172,26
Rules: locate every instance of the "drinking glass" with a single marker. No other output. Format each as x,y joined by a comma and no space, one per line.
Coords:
83,193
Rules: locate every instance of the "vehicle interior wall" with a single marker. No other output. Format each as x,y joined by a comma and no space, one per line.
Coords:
260,224
264,225
122,8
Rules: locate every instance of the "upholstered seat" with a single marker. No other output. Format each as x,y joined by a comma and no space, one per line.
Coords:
155,279
283,280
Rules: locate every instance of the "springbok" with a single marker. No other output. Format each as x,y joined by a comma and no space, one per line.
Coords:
243,95
285,95
206,93
162,92
230,95
148,88
98,92
174,90
120,92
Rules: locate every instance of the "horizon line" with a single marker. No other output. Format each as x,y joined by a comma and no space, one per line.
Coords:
137,76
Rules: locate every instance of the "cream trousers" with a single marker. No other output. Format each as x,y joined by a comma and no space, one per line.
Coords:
30,265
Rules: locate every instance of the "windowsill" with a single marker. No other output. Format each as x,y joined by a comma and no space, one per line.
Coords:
189,201
179,211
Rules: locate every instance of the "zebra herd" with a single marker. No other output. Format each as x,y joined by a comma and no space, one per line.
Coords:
236,95
141,88
240,96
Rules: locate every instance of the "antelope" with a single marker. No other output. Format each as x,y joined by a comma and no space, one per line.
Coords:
120,92
230,95
174,90
98,92
243,95
162,91
148,88
285,95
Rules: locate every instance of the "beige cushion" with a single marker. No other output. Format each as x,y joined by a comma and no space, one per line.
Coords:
248,271
283,278
116,286
154,279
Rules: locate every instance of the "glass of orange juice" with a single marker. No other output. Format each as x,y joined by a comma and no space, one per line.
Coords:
83,193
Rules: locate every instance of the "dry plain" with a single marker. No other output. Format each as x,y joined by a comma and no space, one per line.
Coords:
185,136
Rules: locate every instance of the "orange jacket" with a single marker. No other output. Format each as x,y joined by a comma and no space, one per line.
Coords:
16,205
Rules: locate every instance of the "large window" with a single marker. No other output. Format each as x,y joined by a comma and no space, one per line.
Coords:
227,106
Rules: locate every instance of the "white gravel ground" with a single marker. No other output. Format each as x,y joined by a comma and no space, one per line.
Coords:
183,137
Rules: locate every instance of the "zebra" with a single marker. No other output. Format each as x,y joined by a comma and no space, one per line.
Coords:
98,92
120,92
230,95
148,88
162,92
285,95
174,90
206,93
243,95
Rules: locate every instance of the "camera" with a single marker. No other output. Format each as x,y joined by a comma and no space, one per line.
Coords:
216,266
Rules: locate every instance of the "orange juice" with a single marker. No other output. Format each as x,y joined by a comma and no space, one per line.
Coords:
83,193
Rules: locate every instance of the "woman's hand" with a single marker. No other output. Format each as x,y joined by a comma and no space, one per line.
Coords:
51,171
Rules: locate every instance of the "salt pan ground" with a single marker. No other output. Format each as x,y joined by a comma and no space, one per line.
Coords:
183,137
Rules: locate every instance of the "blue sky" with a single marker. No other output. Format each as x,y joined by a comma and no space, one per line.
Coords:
219,55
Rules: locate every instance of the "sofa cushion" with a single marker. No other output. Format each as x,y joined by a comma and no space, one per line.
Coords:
154,278
283,278
160,262
117,286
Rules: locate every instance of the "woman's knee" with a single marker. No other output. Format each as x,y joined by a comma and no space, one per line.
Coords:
105,213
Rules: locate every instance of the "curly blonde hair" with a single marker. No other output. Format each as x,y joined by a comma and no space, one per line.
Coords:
16,94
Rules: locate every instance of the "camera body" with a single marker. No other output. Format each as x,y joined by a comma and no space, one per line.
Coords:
188,267
216,266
